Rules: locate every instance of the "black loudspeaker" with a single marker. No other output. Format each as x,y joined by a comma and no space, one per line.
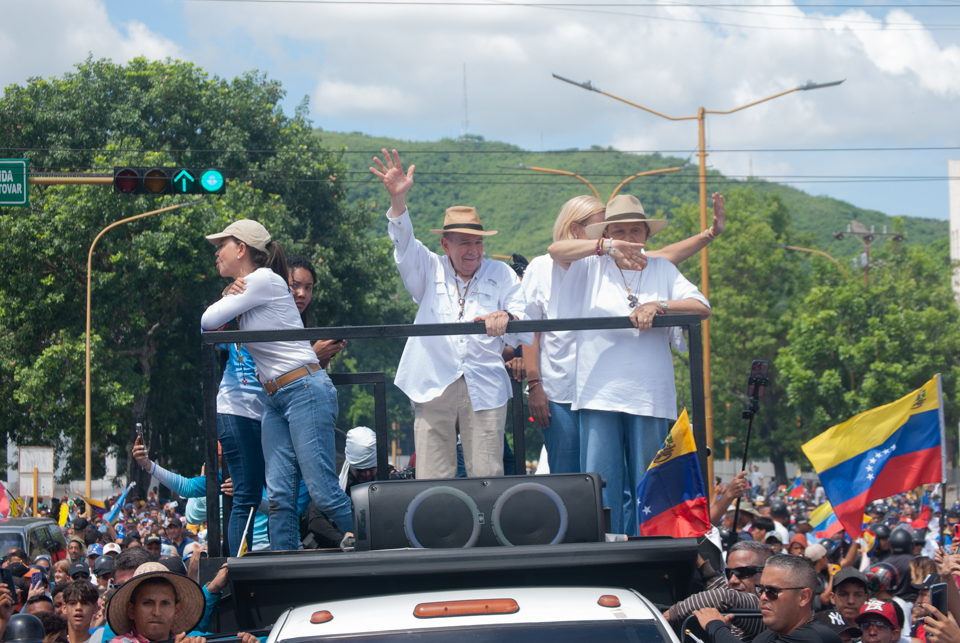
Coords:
478,512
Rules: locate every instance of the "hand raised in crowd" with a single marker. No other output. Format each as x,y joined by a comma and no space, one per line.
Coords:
219,582
7,605
710,614
719,214
940,628
539,406
737,486
496,322
642,316
141,455
236,287
628,256
394,179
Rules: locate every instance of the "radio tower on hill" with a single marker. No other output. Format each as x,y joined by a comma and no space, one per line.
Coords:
465,123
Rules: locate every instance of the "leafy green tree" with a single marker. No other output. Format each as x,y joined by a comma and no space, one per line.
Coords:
853,348
754,287
152,278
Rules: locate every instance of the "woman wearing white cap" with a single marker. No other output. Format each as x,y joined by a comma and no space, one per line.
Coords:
300,410
551,361
624,387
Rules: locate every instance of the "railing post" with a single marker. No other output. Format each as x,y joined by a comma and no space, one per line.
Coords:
698,407
519,444
381,427
208,374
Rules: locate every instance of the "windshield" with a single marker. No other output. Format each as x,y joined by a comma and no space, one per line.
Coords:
10,540
589,632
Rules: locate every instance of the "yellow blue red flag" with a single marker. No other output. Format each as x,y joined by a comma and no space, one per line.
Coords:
672,497
880,453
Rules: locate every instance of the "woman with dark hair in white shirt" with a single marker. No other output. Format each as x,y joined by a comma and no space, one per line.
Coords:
300,410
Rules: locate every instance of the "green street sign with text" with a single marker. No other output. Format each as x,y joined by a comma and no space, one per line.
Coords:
14,190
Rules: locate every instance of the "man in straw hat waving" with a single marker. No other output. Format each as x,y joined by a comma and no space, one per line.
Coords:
455,381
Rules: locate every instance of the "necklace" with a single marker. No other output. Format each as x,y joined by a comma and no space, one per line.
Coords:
463,297
631,298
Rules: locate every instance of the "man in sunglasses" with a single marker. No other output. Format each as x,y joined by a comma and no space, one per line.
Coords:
786,602
879,623
744,565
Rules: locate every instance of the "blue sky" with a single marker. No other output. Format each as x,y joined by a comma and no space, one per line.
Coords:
397,70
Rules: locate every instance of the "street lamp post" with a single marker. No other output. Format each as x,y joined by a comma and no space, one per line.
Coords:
588,183
88,459
704,263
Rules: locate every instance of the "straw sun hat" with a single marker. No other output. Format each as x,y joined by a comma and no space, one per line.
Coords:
625,208
189,595
461,218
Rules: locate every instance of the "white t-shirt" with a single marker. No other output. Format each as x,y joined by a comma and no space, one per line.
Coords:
619,370
558,361
266,304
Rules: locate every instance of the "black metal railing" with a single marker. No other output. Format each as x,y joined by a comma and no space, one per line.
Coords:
208,341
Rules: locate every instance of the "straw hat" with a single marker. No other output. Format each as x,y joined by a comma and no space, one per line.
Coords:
625,208
461,218
189,595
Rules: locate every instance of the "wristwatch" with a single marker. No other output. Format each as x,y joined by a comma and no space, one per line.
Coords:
663,306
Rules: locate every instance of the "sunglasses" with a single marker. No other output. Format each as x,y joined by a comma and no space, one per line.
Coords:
747,571
773,593
876,625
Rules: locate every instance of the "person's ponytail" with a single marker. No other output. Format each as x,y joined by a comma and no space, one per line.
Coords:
275,260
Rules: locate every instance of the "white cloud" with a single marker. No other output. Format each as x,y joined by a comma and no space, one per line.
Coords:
339,98
47,38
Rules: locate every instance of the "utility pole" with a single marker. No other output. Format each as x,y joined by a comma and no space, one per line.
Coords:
858,230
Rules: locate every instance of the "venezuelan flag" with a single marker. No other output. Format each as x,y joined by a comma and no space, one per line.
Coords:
672,498
824,521
882,452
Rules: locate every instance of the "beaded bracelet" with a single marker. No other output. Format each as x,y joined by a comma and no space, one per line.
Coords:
599,246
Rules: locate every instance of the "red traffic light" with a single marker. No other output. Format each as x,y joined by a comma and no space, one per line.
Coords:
126,180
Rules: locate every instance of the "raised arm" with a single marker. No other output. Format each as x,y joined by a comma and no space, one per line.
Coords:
394,180
682,250
629,256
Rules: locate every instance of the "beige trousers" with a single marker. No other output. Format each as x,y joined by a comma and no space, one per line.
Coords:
435,426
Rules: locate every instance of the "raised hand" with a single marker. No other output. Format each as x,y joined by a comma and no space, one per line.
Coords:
394,179
719,214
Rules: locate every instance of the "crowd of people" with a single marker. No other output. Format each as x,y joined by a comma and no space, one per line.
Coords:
789,582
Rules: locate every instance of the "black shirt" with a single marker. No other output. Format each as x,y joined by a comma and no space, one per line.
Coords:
812,632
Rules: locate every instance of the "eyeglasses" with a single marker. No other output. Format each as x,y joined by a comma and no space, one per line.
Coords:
876,625
773,593
743,573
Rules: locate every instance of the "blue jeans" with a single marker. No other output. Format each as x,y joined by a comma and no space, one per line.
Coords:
240,439
298,442
620,447
562,439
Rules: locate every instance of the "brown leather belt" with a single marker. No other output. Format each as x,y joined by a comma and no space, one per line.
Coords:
279,382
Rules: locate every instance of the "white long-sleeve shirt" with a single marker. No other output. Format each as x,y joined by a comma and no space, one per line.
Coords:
266,304
558,355
430,364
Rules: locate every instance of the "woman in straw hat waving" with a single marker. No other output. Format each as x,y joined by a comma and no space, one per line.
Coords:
624,388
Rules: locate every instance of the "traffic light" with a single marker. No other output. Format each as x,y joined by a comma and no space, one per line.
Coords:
168,180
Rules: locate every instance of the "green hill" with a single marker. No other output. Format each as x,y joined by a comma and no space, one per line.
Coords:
523,204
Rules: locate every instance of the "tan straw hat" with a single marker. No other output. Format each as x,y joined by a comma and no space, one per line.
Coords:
189,595
250,232
625,208
461,218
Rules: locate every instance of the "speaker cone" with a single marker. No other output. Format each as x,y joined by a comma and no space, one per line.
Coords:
530,514
442,517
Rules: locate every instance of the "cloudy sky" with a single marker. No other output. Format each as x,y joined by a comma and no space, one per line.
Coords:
396,69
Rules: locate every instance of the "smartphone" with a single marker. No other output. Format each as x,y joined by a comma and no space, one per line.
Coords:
140,432
6,576
757,380
36,576
938,597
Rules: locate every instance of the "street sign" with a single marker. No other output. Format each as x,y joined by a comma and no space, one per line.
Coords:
41,459
14,191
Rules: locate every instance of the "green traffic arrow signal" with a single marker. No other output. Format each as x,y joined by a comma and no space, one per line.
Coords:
180,182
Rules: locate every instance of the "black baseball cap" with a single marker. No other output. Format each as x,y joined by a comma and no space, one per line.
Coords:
848,574
79,567
836,622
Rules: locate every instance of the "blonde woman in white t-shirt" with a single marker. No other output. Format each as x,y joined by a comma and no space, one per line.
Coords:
624,385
